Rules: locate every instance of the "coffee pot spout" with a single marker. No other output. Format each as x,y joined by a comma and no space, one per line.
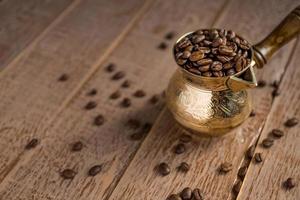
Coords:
243,81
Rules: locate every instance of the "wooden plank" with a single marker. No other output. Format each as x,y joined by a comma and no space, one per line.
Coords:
205,155
22,21
282,160
37,173
30,94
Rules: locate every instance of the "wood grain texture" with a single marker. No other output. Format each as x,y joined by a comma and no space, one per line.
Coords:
37,174
22,21
141,181
282,160
30,94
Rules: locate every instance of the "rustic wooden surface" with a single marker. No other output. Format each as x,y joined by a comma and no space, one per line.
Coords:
81,38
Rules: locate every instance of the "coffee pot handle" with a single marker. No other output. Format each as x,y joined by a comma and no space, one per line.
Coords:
282,34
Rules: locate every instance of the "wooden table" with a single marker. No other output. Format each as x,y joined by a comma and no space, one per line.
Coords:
40,40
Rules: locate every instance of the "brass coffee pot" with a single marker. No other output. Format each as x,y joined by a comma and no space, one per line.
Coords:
212,106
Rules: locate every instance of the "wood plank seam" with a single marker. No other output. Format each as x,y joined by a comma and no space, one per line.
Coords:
255,142
31,45
93,68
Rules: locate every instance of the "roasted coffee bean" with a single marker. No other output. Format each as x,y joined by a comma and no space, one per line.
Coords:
99,120
95,170
185,138
242,172
289,183
213,34
164,169
267,143
197,194
196,55
217,42
133,123
126,84
207,42
261,83
110,67
170,35
189,48
207,74
291,122
162,46
198,38
194,71
241,63
277,133
179,148
227,65
245,54
154,99
68,174
118,75
125,103
90,105
244,45
181,61
204,68
32,143
204,50
230,34
252,114
186,54
230,72
183,43
225,50
115,95
139,93
184,167
223,33
236,40
218,74
92,92
214,51
205,61
237,187
174,197
63,77
225,167
77,146
224,59
216,66
186,193
258,157
250,152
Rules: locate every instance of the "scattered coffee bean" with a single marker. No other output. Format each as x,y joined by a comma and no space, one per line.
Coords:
179,148
63,77
110,67
139,93
90,105
242,172
185,138
261,83
170,35
164,169
32,144
197,194
252,114
184,167
162,46
208,53
225,167
275,84
95,170
291,122
258,158
237,187
68,174
186,193
133,123
77,146
126,84
115,95
277,133
118,75
267,143
154,99
92,92
99,120
125,103
250,152
289,183
174,197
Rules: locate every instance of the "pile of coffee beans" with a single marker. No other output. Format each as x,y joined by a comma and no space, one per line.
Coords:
213,53
187,194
